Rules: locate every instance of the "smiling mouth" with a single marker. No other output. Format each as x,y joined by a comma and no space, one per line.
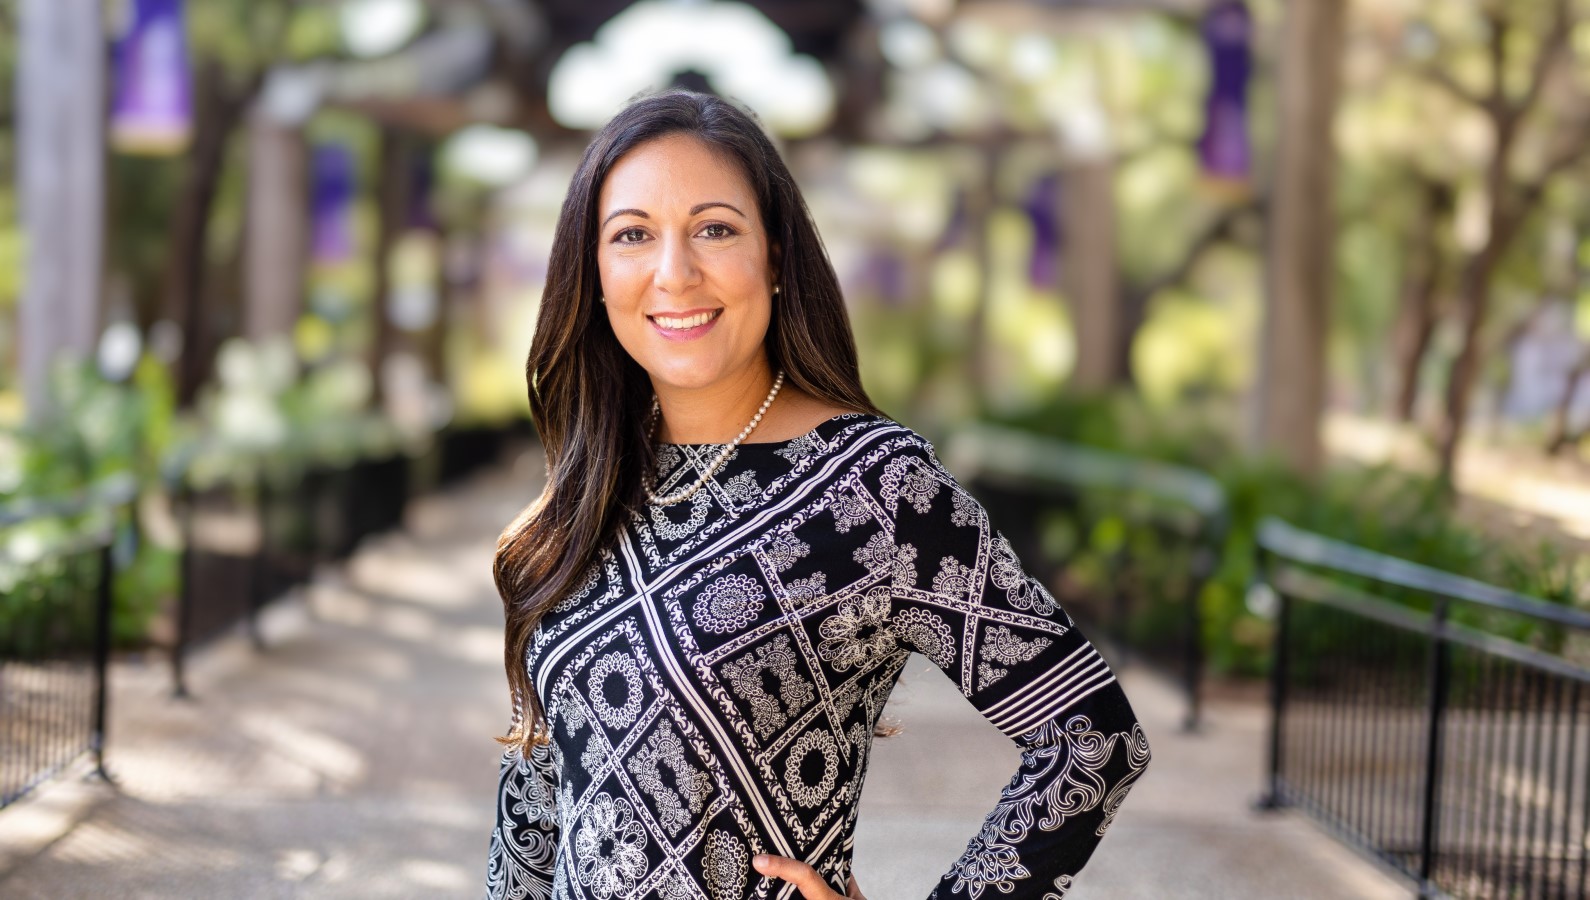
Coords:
684,323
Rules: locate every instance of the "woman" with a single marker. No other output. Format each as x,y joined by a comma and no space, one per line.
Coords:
735,553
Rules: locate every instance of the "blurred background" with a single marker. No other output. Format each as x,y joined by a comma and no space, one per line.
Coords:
269,270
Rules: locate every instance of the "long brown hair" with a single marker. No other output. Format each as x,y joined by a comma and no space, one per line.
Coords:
590,400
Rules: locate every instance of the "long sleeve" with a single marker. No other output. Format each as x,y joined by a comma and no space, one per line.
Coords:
960,597
524,843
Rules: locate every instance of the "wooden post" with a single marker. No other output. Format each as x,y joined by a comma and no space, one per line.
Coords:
981,201
61,179
1289,390
278,226
1092,273
448,292
392,204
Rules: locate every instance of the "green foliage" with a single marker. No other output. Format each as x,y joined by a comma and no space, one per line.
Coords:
262,410
48,597
1190,346
241,35
95,429
47,608
312,33
1369,261
143,587
141,205
1381,508
12,247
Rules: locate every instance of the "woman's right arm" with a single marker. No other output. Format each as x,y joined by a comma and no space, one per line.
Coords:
524,844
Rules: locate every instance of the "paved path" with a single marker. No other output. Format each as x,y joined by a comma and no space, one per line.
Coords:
354,759
1187,830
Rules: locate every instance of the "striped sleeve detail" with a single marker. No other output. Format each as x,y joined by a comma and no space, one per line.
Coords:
1049,694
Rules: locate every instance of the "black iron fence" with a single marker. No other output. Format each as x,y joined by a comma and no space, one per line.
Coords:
1439,723
460,450
57,564
1126,545
250,529
254,533
262,527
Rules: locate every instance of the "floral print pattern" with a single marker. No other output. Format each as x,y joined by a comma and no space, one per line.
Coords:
609,847
716,679
728,604
858,631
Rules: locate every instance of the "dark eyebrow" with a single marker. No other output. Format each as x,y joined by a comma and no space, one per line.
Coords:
696,210
622,212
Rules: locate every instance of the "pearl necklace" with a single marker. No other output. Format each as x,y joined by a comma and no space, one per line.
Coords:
723,455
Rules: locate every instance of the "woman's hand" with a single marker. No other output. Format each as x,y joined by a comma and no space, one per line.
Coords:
812,886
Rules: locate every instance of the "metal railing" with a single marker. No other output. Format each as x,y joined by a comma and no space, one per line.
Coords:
462,449
56,587
246,537
251,536
1445,732
1168,525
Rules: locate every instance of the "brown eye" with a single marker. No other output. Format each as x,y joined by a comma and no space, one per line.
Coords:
717,230
629,236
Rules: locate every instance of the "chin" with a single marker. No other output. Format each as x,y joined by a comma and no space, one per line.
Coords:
686,375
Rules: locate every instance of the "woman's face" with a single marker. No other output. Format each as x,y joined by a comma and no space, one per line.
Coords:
684,263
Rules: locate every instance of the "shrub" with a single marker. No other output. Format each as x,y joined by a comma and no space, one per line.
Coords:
1390,511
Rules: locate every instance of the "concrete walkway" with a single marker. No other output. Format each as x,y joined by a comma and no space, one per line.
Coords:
1187,830
354,759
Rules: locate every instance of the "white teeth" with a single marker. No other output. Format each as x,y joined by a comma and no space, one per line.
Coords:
687,322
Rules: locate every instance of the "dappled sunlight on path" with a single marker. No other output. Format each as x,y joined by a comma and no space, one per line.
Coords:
1187,830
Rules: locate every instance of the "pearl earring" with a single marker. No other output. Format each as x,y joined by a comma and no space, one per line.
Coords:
776,289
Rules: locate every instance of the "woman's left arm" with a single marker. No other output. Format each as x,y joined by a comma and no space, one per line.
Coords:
961,598
523,849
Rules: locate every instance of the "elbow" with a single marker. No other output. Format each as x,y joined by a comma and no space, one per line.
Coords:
1135,754
1131,761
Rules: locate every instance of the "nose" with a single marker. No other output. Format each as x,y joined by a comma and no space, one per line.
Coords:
676,266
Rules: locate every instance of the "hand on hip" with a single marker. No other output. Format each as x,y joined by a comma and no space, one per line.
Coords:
804,877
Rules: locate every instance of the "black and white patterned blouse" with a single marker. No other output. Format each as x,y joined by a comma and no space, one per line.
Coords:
712,690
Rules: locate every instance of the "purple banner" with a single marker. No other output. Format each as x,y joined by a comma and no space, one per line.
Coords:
955,227
331,204
152,108
884,274
1042,205
1224,147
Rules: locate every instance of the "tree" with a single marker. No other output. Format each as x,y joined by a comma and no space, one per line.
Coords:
61,179
1136,295
1418,311
1290,390
395,177
1530,147
1563,433
235,42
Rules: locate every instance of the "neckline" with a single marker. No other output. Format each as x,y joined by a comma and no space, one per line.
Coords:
783,443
